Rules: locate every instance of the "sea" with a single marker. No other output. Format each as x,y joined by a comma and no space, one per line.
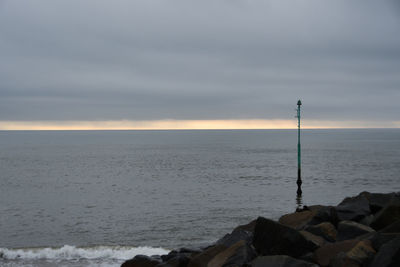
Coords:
98,198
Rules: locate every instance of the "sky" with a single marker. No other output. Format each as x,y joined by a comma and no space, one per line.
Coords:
210,64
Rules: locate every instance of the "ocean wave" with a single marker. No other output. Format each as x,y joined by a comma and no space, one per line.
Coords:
67,252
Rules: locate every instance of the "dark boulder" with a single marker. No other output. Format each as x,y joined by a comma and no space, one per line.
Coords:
202,259
350,230
353,208
280,261
180,260
359,255
379,239
316,240
392,228
238,254
325,214
325,230
388,215
298,220
237,234
273,238
325,254
378,201
141,261
388,255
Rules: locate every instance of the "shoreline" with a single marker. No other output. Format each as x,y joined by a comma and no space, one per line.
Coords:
362,230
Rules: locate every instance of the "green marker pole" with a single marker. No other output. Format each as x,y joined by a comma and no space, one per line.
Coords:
299,182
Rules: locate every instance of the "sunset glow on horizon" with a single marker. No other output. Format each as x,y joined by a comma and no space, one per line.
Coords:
190,125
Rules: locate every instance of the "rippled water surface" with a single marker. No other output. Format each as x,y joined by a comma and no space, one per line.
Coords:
174,188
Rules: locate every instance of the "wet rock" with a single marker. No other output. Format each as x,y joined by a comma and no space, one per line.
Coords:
388,255
379,239
280,261
298,220
367,220
388,215
359,255
378,201
180,260
325,230
236,255
362,252
141,261
325,254
353,208
238,234
273,238
316,240
393,228
202,259
350,230
325,214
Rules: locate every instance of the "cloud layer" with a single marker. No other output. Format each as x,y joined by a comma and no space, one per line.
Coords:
199,60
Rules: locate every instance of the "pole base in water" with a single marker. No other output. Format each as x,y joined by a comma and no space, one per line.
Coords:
299,182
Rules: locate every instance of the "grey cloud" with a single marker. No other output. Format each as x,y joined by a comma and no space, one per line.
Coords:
91,60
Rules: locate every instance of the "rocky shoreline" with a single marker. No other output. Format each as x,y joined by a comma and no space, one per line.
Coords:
361,231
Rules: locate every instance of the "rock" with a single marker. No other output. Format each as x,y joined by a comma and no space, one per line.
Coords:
388,254
189,250
379,239
236,255
353,208
247,227
280,261
236,235
378,201
325,214
141,261
367,220
341,260
325,230
350,230
316,240
393,228
386,217
298,220
202,259
273,238
361,252
325,254
180,260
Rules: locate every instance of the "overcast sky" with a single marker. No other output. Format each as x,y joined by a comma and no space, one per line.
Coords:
199,60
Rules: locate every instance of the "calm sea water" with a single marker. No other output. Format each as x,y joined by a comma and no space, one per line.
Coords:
79,198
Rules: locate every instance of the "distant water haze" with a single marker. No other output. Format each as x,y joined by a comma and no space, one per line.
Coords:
192,124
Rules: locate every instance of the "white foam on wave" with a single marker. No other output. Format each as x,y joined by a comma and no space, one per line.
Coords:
67,252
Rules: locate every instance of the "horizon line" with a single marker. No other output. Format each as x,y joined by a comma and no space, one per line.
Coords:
171,124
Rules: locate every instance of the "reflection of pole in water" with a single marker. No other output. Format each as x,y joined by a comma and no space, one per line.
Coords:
299,202
299,182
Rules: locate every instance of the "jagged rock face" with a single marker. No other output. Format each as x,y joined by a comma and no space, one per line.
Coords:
325,254
273,238
361,231
325,214
386,216
280,261
388,255
325,230
353,209
378,201
299,220
141,261
349,230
